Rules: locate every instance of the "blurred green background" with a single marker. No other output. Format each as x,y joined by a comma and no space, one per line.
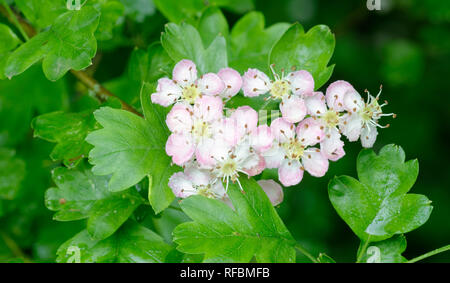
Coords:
405,46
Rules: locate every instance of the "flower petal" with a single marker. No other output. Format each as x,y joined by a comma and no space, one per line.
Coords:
290,172
197,176
273,190
232,80
208,108
293,108
262,138
274,156
167,92
369,135
351,126
180,147
335,94
315,162
179,119
181,185
254,165
310,132
332,147
210,84
302,82
315,104
353,101
255,83
282,130
246,119
185,73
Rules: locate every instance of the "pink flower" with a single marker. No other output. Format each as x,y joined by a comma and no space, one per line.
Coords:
192,126
335,94
293,151
195,181
291,89
232,81
331,146
361,121
185,86
273,191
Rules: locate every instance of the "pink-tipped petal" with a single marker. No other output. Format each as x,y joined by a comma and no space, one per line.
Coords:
252,169
181,186
185,73
228,131
293,108
204,155
232,80
310,132
167,92
274,156
179,119
353,101
273,190
369,135
197,176
210,84
262,138
335,94
315,104
332,147
290,172
302,83
282,130
315,162
246,119
351,126
208,108
255,83
180,147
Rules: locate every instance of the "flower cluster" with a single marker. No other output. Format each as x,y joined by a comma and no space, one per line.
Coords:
216,145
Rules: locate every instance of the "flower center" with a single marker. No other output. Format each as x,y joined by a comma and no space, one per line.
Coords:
331,119
201,130
229,168
280,88
370,110
190,93
294,149
206,191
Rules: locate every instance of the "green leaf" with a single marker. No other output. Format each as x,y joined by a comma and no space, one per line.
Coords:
8,39
68,131
387,251
41,13
160,195
309,51
69,44
378,205
12,172
138,10
250,42
184,42
131,243
226,235
111,11
27,94
211,24
176,12
80,194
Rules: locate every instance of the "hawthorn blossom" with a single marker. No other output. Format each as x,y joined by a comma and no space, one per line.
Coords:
273,191
185,86
361,121
291,89
331,146
293,150
192,127
232,81
195,181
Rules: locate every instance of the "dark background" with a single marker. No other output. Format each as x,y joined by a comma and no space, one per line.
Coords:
405,47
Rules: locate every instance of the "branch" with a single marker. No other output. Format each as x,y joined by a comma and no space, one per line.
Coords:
100,92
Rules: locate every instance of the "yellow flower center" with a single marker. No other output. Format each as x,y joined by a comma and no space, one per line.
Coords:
294,149
280,88
331,118
190,93
201,130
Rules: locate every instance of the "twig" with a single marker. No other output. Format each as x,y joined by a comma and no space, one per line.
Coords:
306,253
100,92
435,252
13,247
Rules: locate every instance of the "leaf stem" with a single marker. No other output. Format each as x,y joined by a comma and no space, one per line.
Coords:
100,92
306,253
363,250
12,17
13,247
432,253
